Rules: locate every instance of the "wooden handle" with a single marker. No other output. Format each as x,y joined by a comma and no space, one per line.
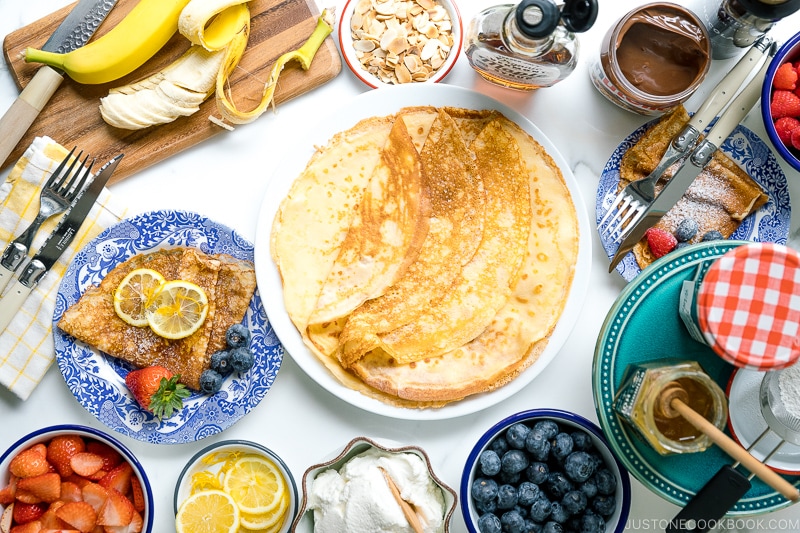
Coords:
735,450
19,117
408,511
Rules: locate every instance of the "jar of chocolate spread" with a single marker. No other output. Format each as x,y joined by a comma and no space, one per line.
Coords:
653,58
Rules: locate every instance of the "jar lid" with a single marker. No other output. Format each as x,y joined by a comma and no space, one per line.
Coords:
748,306
537,18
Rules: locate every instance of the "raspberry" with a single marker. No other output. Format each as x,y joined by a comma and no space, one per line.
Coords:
661,242
784,104
785,77
784,127
796,138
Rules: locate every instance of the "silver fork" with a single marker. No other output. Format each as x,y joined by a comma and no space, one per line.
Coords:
57,194
630,203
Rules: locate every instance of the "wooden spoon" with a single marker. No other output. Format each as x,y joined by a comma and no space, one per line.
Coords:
408,511
671,401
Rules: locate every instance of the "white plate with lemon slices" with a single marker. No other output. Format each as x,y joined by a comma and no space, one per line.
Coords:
97,380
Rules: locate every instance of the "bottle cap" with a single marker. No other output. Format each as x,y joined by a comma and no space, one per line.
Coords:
579,15
748,306
537,18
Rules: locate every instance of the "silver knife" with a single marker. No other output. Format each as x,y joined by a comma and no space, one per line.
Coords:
74,32
54,246
694,164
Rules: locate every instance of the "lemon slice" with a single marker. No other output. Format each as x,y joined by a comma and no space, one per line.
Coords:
269,521
211,511
255,484
177,309
134,293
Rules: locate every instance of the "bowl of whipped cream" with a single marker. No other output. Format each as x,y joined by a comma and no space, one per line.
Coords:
359,490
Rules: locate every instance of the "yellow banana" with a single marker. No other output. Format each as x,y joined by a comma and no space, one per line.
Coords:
137,37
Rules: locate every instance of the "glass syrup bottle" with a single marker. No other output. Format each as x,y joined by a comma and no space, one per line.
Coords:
529,45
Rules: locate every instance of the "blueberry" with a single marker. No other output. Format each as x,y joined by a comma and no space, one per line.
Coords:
537,472
484,489
512,522
210,381
515,435
606,482
221,362
557,485
592,523
553,527
562,446
241,359
523,511
237,336
499,446
582,441
512,478
506,497
574,501
579,466
538,445
532,527
558,513
486,507
548,427
604,504
527,492
489,523
687,228
489,462
712,235
589,488
540,508
514,461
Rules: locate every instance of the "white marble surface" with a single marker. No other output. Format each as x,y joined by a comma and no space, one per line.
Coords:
225,179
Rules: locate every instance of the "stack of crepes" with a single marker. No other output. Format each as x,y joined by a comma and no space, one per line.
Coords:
427,256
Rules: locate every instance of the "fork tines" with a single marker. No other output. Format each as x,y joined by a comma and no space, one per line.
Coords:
620,217
62,183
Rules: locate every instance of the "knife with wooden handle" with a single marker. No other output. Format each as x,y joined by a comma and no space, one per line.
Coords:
75,31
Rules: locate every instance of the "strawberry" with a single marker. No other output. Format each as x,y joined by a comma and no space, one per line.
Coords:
95,495
785,77
119,478
135,526
661,242
30,462
784,104
157,390
79,515
86,463
784,127
28,512
9,492
51,521
118,510
61,449
137,494
70,492
30,527
44,488
111,457
7,518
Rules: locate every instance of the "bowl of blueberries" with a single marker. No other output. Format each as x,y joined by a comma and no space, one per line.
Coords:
544,471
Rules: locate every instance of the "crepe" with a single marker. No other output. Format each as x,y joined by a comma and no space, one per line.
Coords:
228,283
721,196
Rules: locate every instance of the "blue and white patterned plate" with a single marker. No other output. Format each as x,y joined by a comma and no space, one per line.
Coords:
769,224
98,380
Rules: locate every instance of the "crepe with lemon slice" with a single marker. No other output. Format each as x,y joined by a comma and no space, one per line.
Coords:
228,284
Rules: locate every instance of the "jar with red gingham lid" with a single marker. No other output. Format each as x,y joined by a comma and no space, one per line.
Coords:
748,306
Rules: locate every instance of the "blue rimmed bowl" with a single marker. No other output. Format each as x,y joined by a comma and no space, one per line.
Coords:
788,51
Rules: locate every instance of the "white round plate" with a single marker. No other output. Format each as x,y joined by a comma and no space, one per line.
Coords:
97,380
384,102
769,224
746,423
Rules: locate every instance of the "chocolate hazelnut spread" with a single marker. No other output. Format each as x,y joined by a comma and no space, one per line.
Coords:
653,58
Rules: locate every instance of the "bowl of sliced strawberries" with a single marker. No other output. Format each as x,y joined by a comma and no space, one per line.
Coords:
73,478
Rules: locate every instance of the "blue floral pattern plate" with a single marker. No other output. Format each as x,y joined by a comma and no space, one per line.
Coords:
643,326
98,380
769,224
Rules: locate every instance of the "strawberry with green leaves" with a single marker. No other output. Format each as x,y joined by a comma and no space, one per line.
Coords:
157,390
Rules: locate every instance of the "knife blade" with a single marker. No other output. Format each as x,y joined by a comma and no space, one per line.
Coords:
54,246
673,190
73,32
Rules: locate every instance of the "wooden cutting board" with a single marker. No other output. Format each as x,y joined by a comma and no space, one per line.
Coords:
72,117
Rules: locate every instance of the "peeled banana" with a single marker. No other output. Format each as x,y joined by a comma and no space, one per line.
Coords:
137,37
179,89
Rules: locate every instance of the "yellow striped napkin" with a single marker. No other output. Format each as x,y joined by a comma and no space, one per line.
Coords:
26,346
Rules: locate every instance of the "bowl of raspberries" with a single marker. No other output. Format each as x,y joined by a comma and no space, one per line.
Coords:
544,470
780,101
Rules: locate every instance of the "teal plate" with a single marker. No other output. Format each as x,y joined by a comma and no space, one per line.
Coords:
643,325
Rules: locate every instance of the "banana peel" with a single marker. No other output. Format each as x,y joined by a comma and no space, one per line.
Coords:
303,55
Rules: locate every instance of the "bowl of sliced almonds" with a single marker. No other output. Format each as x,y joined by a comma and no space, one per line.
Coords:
392,42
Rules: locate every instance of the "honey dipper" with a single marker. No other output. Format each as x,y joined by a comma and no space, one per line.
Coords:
672,402
408,511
